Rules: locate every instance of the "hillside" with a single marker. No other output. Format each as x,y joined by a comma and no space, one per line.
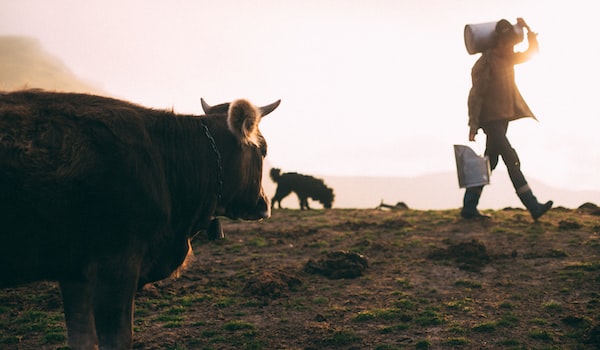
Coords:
362,279
24,63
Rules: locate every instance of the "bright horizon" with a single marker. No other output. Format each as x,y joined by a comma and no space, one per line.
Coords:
373,88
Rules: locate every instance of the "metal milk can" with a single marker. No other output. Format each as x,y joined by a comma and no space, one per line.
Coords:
482,36
473,170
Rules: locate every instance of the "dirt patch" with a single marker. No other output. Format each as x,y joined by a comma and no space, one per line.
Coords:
589,208
337,265
270,285
470,256
569,224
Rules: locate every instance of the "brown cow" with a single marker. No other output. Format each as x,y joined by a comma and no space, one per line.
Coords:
103,196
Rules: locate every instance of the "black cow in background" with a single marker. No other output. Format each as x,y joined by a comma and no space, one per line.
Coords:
103,196
305,186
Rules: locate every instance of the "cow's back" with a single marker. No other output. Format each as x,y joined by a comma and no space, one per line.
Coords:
67,180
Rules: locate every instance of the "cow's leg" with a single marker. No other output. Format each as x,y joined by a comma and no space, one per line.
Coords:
79,315
113,307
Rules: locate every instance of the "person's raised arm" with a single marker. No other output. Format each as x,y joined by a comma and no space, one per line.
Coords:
533,46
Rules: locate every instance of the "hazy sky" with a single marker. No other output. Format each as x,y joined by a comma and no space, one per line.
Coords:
368,87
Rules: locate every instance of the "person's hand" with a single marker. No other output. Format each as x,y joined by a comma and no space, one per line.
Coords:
522,24
472,133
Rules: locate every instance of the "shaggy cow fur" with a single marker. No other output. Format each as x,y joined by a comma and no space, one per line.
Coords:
305,186
104,196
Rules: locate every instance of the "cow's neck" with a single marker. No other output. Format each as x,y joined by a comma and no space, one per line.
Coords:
219,162
194,178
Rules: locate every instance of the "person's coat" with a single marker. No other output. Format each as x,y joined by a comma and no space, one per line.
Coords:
502,100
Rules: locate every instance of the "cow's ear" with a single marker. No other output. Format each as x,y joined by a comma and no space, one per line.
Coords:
243,118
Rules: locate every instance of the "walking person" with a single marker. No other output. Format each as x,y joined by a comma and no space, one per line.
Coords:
494,100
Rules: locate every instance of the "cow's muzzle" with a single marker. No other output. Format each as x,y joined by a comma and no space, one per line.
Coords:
261,210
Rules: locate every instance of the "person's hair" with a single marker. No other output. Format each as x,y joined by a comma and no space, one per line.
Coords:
505,31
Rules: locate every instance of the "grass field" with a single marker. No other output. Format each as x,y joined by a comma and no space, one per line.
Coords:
433,281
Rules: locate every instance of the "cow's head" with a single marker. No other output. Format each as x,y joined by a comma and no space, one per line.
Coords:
243,196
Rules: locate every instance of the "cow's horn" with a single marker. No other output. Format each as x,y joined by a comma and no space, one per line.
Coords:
269,108
205,106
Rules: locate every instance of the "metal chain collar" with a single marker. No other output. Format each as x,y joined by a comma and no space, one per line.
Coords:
213,145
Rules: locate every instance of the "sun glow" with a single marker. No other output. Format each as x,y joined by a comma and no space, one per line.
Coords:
382,87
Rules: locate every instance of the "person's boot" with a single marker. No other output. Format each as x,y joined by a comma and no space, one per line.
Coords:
470,201
535,208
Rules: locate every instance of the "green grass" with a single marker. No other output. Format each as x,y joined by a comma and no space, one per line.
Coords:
258,242
233,326
485,327
382,314
341,338
455,342
538,334
552,306
429,317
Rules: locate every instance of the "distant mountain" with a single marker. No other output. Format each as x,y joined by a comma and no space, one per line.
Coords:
434,191
25,64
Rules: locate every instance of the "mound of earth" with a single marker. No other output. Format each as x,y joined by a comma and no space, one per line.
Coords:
470,256
339,264
270,285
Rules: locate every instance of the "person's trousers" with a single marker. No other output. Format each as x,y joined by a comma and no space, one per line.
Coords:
498,145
